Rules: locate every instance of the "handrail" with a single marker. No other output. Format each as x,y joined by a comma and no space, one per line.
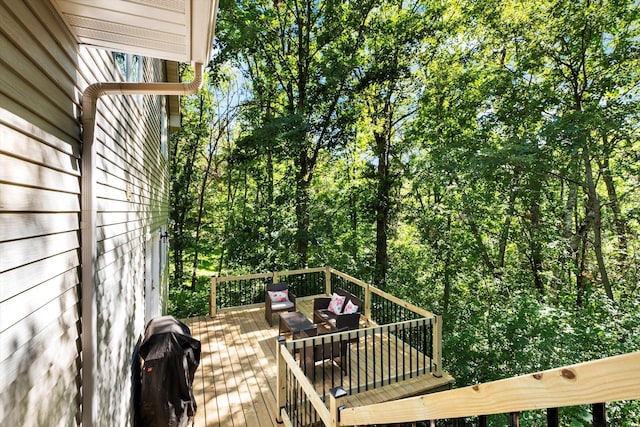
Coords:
286,362
604,380
275,276
349,278
299,271
243,277
304,396
401,302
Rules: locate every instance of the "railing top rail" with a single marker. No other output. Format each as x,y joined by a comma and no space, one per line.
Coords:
355,333
268,274
369,289
605,380
301,271
402,303
315,400
243,277
349,278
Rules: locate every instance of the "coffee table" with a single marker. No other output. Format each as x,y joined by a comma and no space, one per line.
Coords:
293,322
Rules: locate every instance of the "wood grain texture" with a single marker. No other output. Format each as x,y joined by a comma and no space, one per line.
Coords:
611,379
236,383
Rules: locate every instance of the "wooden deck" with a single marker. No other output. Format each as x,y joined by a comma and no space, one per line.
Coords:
236,381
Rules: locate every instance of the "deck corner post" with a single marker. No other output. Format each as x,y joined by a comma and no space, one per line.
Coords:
327,278
213,310
437,345
281,391
275,276
334,410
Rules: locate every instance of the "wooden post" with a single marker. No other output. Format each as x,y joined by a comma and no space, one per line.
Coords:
327,278
213,310
436,357
367,303
275,277
334,410
281,390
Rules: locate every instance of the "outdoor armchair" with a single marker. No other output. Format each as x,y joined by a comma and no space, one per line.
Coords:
338,317
277,298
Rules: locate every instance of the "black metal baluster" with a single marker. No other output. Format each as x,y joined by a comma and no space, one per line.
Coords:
333,374
599,412
552,417
431,322
410,353
373,343
404,353
424,346
389,354
357,363
299,393
397,355
366,362
287,402
324,380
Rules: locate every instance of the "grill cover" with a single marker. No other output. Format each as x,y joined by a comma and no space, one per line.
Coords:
169,357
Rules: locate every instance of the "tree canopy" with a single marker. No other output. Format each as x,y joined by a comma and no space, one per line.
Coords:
481,159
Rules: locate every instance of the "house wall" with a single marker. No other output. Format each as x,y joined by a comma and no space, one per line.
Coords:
42,75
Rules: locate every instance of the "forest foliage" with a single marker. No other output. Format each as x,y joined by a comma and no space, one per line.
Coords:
480,159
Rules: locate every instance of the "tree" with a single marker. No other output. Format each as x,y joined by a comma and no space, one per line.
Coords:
306,50
386,91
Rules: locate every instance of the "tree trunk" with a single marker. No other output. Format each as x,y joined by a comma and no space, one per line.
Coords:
270,206
580,276
201,198
504,233
181,201
619,221
446,296
382,209
302,210
535,248
482,249
594,207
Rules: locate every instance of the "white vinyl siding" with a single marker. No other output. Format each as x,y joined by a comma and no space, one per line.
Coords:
42,76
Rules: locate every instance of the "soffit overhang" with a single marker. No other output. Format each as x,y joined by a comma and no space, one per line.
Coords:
176,30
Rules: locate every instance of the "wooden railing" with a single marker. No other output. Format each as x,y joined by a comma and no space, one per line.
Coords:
403,342
379,307
605,380
244,290
370,358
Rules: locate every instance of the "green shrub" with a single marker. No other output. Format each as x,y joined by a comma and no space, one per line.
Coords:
184,302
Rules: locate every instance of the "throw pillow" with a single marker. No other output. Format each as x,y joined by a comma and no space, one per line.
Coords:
335,306
279,296
350,308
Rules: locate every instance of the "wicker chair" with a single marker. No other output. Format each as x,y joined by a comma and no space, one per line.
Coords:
271,307
321,313
334,350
